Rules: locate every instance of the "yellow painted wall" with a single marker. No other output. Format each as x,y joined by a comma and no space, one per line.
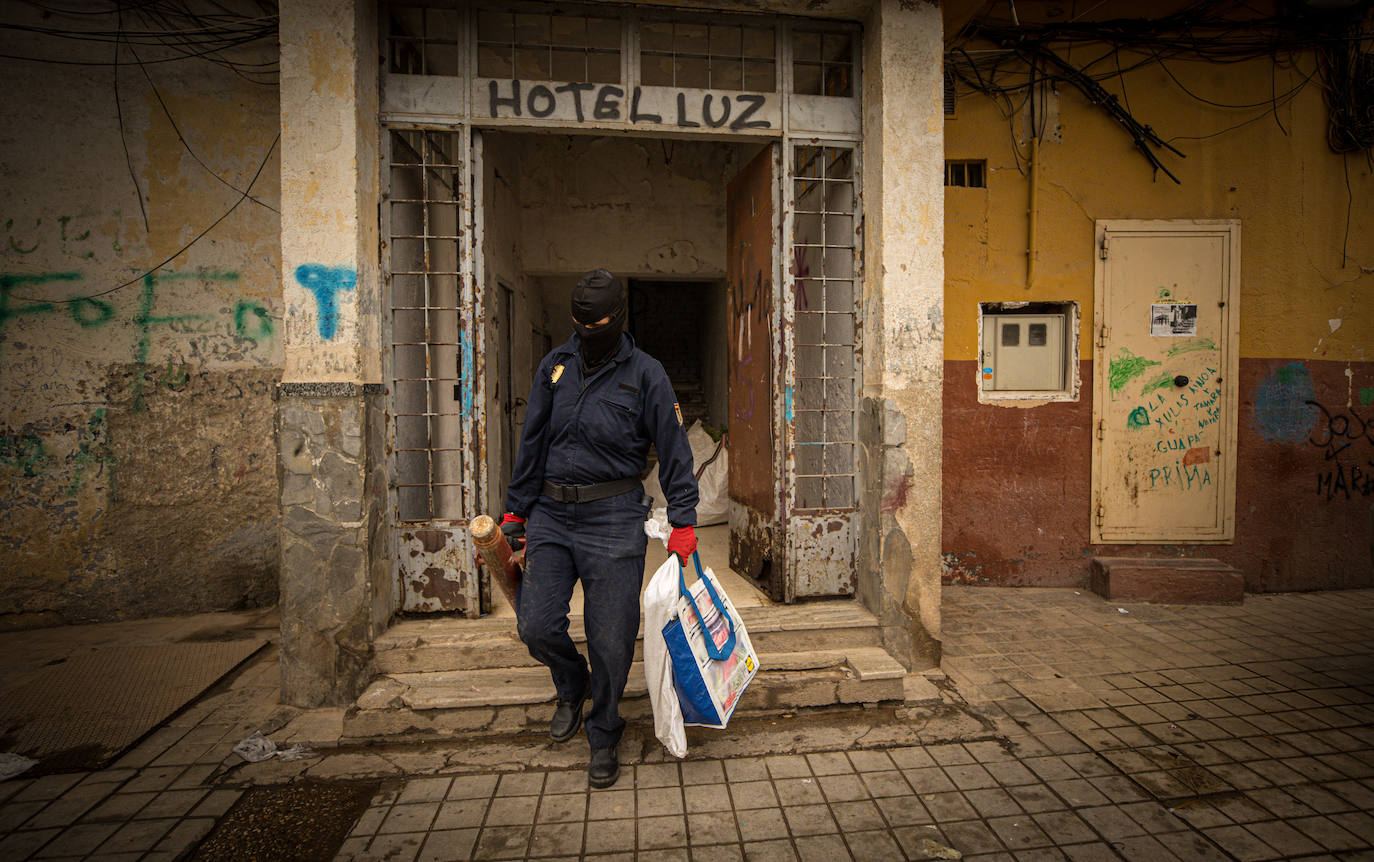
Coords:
1288,190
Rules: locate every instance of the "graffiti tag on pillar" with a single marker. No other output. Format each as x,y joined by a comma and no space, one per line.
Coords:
324,282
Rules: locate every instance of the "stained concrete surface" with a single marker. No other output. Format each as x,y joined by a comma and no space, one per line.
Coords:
1068,729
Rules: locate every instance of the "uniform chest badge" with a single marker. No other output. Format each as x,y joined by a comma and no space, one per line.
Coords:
558,372
678,411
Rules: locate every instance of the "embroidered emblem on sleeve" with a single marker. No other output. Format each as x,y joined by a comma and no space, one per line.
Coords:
557,373
678,411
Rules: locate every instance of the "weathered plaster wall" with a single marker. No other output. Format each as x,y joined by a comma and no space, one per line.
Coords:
139,333
635,206
1018,479
329,229
904,324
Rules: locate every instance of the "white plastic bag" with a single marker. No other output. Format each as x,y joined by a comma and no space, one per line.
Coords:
660,599
710,464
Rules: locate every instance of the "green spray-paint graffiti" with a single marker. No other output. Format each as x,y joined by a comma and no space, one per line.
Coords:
1163,381
251,320
70,240
1139,418
1192,345
1366,396
1125,368
22,450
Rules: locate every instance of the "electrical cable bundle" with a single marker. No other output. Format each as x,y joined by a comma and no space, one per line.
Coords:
1026,55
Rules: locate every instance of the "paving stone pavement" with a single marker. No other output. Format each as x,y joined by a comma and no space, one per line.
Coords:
1087,733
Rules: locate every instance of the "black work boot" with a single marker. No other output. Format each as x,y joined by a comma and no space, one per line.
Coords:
604,768
567,719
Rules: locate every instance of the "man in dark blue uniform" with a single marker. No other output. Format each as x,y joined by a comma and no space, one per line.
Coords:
596,405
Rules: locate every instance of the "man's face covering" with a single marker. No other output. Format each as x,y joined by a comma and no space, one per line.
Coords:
598,295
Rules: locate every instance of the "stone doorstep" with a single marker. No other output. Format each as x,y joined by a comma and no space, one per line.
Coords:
1173,581
422,645
506,650
512,700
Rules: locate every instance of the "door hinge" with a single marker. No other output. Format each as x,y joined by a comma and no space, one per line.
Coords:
1102,249
1102,335
1101,514
1101,429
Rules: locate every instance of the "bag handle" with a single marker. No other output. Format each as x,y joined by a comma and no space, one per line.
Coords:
716,653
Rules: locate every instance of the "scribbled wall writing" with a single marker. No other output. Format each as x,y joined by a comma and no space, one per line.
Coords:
1179,416
1345,439
252,322
323,282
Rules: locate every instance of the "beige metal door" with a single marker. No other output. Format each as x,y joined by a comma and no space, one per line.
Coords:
1165,362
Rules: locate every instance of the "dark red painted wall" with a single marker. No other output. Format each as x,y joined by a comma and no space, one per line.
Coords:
1018,483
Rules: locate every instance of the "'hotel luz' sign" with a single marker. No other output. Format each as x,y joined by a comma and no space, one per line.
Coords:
577,103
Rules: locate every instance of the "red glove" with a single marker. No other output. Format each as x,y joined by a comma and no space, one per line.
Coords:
682,542
513,526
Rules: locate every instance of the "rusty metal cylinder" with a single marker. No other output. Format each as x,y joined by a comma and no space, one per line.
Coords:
495,553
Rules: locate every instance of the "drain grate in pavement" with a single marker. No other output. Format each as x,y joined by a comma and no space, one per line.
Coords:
304,822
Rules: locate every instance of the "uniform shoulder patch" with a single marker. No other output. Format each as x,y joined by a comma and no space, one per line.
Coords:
678,411
557,373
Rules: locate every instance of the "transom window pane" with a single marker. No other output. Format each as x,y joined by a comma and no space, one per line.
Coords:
544,46
698,55
822,63
423,37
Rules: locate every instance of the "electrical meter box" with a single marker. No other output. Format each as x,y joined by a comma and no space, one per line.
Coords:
1023,352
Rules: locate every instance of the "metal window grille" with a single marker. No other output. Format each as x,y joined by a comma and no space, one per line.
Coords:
966,173
548,46
825,333
685,53
822,63
430,352
422,37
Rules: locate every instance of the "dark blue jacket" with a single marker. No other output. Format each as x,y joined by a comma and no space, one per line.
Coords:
583,431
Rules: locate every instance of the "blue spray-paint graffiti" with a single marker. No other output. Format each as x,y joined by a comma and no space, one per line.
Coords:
465,348
324,282
1282,412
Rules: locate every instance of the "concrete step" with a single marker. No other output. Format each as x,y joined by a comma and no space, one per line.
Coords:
490,701
1170,581
447,644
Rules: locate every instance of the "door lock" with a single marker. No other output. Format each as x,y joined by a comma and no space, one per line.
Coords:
1181,381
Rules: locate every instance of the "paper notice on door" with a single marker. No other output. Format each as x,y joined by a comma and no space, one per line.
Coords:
1173,320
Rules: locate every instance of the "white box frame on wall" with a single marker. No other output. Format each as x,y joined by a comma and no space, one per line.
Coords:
1063,316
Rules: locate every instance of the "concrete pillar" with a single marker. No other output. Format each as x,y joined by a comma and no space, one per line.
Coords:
334,593
904,322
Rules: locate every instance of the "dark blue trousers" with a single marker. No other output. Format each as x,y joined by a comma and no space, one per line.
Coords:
602,544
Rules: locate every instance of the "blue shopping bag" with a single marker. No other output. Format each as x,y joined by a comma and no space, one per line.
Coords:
712,659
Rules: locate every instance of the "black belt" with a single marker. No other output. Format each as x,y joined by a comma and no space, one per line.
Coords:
589,493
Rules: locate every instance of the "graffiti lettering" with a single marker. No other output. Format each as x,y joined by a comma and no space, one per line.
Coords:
1337,432
252,321
736,112
1338,482
1185,477
93,451
22,450
324,282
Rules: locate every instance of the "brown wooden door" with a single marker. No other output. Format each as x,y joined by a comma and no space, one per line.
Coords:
756,539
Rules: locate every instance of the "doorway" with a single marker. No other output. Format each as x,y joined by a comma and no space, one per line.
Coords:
762,353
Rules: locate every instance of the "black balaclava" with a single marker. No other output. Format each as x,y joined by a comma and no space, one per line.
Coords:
598,294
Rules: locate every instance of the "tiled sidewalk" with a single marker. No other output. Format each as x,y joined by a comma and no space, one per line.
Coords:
1071,731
